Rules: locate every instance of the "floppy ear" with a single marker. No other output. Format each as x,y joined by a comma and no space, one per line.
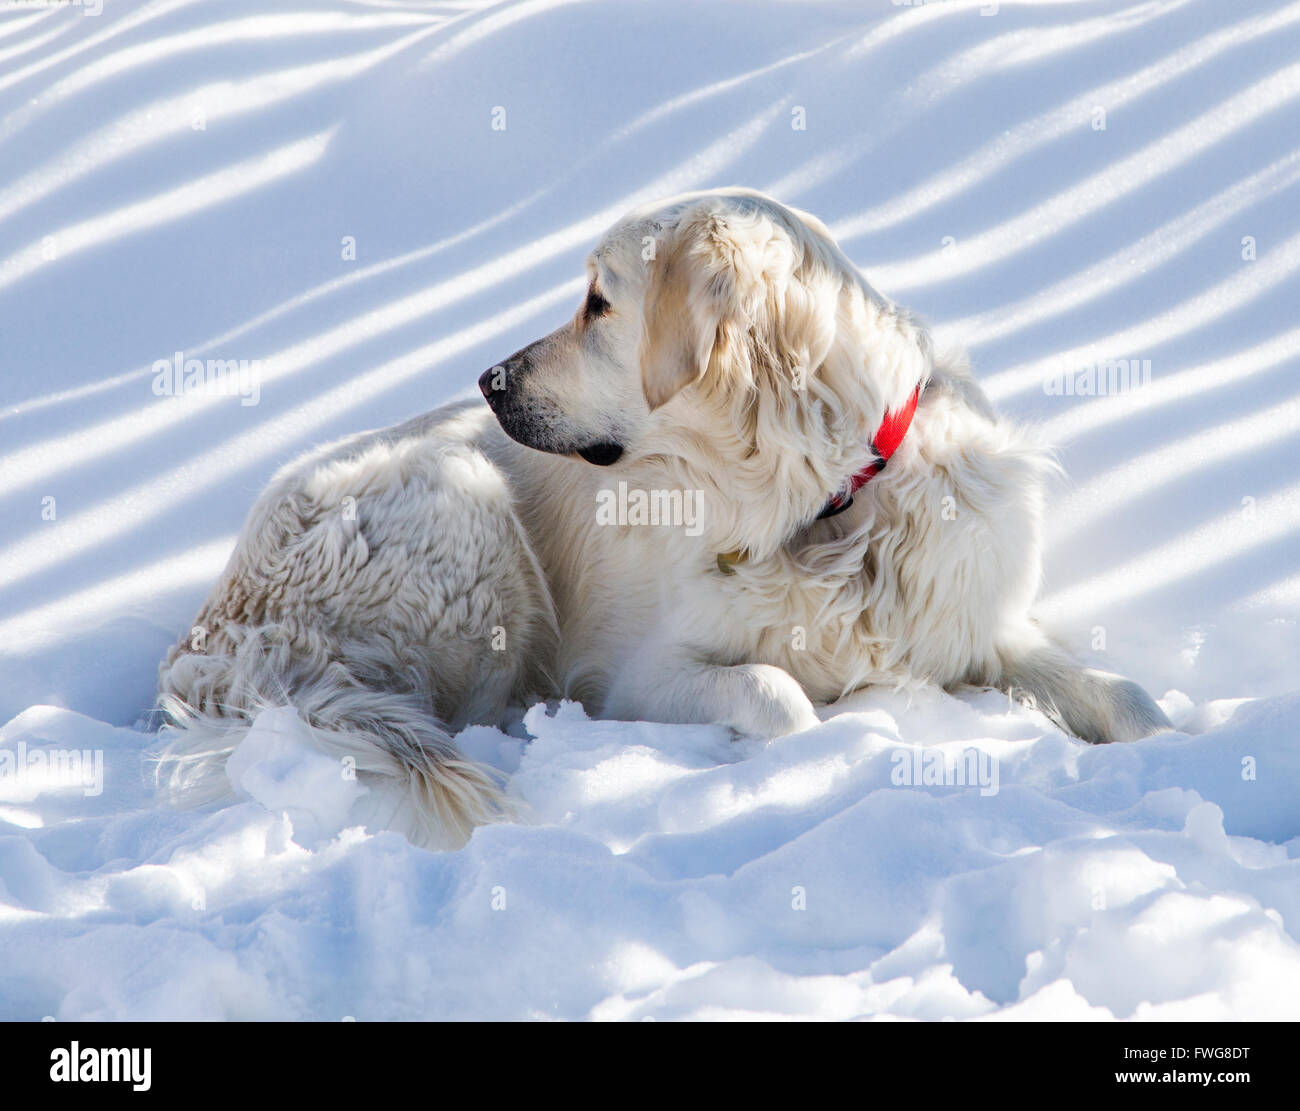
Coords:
711,294
679,326
707,291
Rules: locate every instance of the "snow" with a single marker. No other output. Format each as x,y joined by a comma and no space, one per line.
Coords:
656,871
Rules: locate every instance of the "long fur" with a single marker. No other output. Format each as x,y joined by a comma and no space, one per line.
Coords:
403,583
383,588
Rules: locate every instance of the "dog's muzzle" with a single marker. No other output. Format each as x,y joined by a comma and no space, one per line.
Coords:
524,428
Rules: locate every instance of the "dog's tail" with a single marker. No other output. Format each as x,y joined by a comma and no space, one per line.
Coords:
391,736
1096,706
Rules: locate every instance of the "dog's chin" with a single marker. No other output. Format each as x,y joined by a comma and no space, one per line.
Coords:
600,453
603,454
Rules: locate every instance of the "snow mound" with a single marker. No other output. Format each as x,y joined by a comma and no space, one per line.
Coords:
672,872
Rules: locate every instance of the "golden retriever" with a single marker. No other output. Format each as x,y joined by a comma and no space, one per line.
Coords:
737,482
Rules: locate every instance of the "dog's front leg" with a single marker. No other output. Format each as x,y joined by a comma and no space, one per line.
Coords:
757,700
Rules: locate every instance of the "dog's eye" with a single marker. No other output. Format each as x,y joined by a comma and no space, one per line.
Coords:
596,305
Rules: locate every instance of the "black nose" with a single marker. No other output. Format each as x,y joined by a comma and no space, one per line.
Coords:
492,384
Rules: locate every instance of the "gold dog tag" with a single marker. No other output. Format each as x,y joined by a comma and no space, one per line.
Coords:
727,561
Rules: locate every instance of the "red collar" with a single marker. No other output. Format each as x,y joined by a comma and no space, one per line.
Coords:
886,441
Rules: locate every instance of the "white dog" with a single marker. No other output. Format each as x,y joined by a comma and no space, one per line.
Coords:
738,482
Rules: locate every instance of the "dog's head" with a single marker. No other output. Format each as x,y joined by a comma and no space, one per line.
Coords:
726,335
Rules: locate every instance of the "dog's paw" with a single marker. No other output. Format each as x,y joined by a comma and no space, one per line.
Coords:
774,704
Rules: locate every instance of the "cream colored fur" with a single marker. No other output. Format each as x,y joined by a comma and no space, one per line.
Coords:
403,583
